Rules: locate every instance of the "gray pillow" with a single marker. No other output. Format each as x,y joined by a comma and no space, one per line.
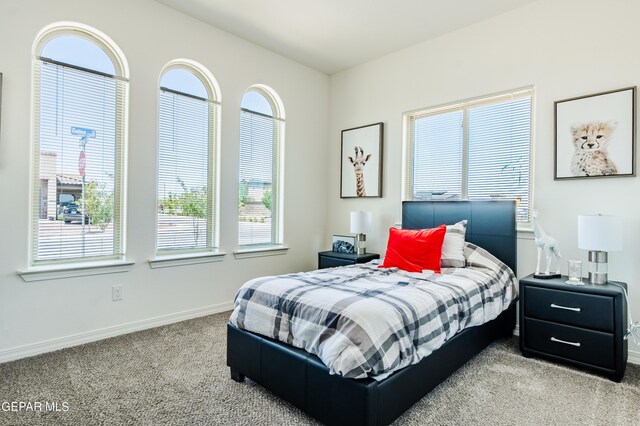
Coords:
453,246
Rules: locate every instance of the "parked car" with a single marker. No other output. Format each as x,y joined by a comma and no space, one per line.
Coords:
72,213
63,201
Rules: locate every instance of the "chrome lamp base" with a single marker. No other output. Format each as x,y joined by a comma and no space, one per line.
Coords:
361,244
598,267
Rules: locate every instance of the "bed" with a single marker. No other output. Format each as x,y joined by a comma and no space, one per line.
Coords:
303,380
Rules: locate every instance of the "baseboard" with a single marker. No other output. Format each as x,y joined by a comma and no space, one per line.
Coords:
633,356
32,349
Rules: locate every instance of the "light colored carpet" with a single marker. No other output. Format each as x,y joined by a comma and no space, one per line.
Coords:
177,375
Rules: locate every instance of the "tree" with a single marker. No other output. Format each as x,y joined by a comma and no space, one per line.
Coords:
193,203
243,196
98,205
170,204
266,199
514,166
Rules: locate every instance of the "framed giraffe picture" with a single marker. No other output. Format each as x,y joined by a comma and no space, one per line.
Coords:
361,162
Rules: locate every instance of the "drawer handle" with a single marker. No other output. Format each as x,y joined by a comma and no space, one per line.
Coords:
553,305
576,344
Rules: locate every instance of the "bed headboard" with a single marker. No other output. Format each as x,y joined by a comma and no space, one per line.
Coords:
491,224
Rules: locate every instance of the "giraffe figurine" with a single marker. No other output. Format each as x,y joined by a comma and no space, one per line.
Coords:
547,245
358,164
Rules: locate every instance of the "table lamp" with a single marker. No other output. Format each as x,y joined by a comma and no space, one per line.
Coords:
360,225
599,234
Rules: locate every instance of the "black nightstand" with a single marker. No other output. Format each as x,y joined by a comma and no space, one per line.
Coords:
329,259
580,325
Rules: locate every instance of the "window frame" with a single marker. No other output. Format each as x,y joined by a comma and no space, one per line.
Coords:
276,246
81,266
464,106
209,253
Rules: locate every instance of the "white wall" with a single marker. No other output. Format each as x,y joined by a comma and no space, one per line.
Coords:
151,35
565,48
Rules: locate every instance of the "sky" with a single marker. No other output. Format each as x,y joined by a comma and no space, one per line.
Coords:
78,51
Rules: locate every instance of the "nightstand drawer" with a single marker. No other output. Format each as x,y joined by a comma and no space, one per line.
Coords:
331,259
587,346
572,308
331,262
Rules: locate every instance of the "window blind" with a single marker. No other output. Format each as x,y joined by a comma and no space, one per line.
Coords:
185,158
259,165
437,156
79,143
479,149
499,151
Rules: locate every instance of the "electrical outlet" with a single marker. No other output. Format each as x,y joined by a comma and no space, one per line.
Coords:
117,292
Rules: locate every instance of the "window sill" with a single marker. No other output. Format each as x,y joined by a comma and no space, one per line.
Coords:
55,272
168,261
246,253
524,232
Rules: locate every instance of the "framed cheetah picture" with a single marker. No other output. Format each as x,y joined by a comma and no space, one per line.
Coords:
361,162
595,135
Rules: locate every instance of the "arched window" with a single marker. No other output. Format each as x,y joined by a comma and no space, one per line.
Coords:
187,158
80,103
260,180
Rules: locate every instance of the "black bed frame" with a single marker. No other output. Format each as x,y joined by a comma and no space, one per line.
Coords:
303,380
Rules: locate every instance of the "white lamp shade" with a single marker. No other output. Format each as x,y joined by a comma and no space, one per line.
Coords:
600,232
360,222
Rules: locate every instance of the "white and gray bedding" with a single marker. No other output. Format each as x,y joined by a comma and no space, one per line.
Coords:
363,321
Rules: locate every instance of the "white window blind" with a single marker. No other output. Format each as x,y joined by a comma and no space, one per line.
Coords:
185,175
479,149
437,155
259,173
79,138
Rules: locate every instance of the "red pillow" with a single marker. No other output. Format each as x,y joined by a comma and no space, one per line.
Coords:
415,250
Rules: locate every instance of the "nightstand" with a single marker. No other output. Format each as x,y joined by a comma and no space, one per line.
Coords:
329,259
579,325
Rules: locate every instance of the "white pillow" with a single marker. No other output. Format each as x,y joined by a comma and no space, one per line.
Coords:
453,246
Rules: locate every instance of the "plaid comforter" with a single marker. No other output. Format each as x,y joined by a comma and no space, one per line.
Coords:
363,321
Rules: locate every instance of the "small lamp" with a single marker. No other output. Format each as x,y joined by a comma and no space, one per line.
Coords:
599,234
361,224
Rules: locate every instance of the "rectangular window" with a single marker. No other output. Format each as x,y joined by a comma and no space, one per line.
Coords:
185,153
259,166
478,149
78,160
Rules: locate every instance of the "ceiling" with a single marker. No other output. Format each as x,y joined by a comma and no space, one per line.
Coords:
333,35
